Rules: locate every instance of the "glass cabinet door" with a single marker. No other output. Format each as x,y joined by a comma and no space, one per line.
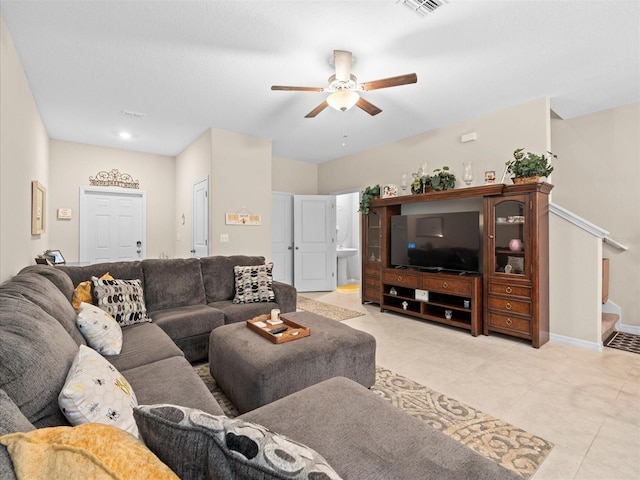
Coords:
374,225
509,240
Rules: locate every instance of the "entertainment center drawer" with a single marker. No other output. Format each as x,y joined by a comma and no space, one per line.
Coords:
459,287
401,279
506,321
372,270
510,289
509,305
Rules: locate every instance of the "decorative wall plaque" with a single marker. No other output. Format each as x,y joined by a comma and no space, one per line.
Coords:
113,179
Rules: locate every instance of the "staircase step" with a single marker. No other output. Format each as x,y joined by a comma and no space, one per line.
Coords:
608,324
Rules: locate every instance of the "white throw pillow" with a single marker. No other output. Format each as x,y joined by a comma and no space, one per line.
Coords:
99,329
95,392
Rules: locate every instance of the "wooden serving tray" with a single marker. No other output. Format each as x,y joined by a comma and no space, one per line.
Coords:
286,336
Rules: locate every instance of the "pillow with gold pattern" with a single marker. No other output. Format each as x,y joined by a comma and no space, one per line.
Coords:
91,450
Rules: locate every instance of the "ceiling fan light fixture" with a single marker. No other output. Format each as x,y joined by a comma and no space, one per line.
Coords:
343,100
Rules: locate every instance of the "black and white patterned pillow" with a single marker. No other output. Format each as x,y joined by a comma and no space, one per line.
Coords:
254,283
123,299
195,444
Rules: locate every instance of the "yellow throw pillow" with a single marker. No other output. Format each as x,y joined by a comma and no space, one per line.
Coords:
91,450
84,292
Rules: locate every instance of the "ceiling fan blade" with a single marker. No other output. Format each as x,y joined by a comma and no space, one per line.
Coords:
317,110
297,89
342,60
368,107
390,82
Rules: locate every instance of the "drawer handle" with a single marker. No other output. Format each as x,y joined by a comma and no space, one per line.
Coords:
399,278
508,290
445,285
508,322
508,306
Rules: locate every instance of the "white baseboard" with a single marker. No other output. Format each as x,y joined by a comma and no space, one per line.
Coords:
635,329
576,342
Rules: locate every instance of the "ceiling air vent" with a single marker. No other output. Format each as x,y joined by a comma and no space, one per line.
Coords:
423,7
132,114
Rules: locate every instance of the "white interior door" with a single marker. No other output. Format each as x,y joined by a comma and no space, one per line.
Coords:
282,237
314,220
200,233
112,225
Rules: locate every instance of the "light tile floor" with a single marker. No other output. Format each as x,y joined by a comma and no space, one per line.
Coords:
587,403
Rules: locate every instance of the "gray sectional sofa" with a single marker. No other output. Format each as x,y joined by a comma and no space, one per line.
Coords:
189,297
361,435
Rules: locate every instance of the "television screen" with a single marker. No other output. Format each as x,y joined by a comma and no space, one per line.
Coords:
442,241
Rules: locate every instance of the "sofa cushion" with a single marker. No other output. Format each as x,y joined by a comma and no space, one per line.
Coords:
95,392
184,322
11,420
55,276
89,451
99,329
129,270
172,282
35,356
40,291
253,283
361,435
239,312
84,292
123,299
198,445
172,380
218,275
142,344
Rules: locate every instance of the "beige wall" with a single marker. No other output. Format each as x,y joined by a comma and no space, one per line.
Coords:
239,170
71,164
192,165
241,173
23,158
574,286
292,176
598,177
498,135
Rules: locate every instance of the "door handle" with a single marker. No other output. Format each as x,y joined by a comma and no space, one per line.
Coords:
138,251
192,251
297,248
289,247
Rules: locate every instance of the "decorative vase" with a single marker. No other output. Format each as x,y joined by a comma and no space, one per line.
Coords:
515,245
533,179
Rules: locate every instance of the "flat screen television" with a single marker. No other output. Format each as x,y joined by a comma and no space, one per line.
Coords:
437,242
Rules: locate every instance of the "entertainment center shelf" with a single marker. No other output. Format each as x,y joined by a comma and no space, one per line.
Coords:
443,292
510,296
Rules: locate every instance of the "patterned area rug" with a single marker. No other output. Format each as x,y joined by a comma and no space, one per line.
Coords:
509,446
333,312
624,341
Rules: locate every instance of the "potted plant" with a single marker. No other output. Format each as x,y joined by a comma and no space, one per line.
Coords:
365,199
442,179
529,167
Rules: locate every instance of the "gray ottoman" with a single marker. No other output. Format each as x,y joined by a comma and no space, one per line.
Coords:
252,371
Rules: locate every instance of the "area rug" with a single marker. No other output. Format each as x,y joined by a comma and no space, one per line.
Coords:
624,341
334,312
509,446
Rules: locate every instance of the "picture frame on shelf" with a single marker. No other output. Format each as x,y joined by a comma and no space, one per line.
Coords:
389,191
55,257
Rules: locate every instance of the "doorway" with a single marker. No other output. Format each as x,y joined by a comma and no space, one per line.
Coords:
303,241
348,238
200,224
112,225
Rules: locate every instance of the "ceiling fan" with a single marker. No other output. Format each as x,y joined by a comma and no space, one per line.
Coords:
344,87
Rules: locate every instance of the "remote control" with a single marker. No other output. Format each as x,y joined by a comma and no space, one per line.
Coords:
278,330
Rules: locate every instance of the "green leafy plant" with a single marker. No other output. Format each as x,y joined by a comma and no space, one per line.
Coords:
442,179
365,199
530,164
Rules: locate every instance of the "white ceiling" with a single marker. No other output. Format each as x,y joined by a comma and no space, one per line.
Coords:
192,65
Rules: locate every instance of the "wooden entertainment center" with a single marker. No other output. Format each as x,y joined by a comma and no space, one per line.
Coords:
510,296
